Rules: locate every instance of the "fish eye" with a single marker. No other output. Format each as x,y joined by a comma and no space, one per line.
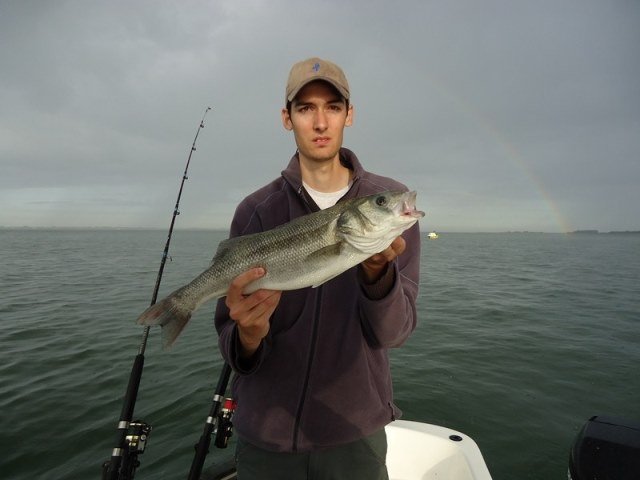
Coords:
381,201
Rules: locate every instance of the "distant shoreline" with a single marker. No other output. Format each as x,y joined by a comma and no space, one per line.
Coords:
202,229
596,232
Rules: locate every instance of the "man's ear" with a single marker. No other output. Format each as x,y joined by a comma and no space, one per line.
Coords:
350,115
286,119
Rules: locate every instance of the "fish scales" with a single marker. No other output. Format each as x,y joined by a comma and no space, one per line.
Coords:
307,251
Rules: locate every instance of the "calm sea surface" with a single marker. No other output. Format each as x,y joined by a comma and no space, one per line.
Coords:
522,338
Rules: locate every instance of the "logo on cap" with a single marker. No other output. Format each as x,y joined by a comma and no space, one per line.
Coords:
316,67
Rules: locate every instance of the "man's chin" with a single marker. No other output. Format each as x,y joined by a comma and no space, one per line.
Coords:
320,155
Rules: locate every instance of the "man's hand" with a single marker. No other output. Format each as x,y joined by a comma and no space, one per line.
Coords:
251,312
375,266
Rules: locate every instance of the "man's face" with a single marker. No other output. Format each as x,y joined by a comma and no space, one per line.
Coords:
318,117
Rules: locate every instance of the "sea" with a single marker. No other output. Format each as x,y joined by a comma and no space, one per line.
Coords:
522,337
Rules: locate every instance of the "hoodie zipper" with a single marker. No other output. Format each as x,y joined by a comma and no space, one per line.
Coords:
296,427
305,387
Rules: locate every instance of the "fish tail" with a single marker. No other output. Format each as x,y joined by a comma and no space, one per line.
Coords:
169,313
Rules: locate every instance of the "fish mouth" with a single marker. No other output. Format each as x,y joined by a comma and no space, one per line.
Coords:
408,206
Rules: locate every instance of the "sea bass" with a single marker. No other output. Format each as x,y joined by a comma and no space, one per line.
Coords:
305,252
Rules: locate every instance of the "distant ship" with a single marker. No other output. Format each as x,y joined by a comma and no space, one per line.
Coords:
432,235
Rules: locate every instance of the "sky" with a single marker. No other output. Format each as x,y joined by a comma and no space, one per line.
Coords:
504,115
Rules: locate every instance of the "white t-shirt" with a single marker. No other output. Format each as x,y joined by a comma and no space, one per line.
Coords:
324,199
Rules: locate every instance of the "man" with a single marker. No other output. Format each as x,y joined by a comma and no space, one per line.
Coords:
312,381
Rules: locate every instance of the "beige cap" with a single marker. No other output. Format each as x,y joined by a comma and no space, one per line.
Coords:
313,69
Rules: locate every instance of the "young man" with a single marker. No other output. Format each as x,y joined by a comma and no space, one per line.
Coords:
312,380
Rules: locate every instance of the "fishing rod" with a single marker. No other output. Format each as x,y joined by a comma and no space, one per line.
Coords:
131,436
218,422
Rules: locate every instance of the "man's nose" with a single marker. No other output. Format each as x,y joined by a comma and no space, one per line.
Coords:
320,120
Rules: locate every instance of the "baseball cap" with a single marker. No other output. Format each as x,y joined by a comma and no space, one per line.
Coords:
313,69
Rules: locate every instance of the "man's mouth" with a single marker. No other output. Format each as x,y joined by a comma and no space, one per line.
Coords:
321,140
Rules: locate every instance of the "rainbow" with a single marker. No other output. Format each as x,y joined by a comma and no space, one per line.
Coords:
516,158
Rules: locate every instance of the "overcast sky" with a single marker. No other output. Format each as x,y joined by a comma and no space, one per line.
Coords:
503,115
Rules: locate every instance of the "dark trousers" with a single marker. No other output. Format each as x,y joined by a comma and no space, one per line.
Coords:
363,459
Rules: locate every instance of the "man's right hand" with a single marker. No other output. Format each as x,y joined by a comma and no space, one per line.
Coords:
251,312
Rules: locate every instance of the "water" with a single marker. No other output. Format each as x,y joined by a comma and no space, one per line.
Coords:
522,338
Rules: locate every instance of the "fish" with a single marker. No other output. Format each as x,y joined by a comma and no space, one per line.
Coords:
305,252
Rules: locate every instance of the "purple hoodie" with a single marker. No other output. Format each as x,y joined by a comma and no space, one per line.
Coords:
321,377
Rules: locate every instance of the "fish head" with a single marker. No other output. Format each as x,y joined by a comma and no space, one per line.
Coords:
371,223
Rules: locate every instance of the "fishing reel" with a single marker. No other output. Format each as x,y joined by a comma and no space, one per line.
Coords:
138,436
135,444
224,425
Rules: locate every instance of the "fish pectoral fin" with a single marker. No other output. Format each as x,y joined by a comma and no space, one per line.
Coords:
324,255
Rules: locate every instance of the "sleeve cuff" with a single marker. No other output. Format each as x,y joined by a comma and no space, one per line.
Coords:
246,366
381,287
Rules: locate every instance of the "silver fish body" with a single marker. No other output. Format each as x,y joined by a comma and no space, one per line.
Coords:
305,252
